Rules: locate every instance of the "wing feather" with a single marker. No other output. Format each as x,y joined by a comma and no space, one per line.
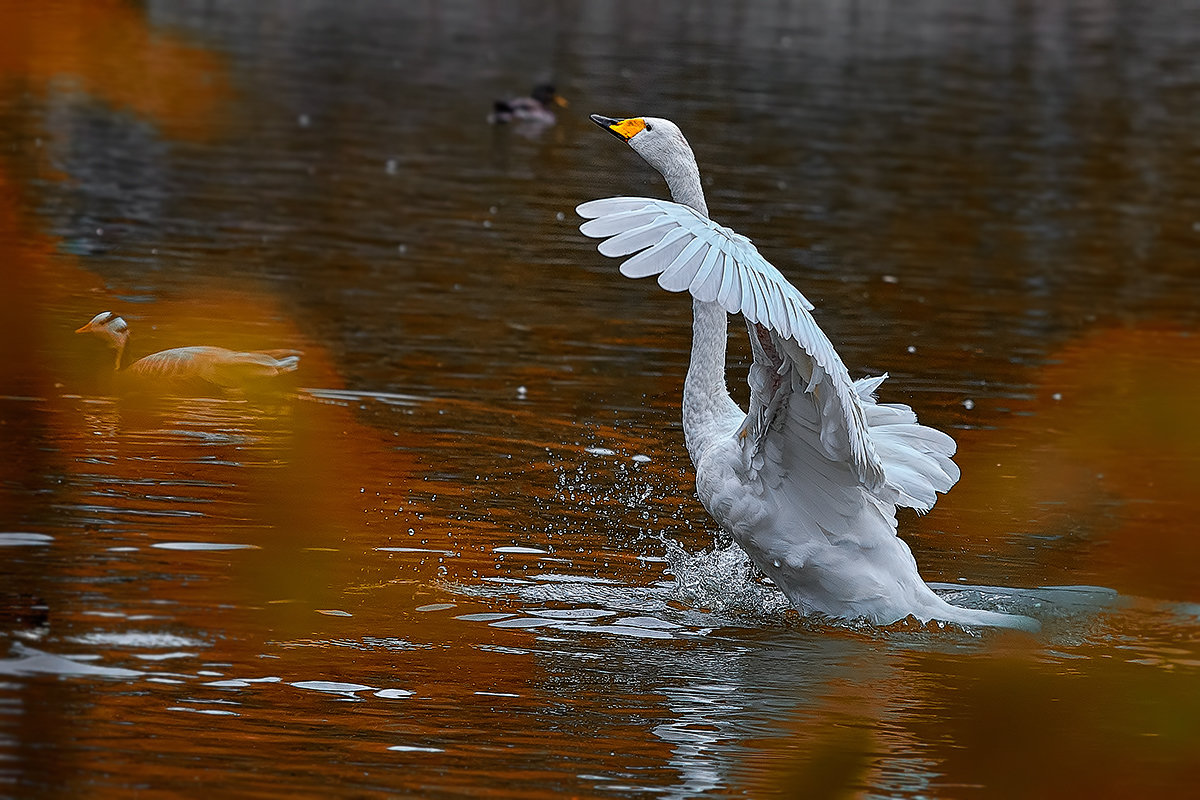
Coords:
658,257
180,362
731,285
608,206
678,276
634,239
619,223
809,424
748,308
707,282
613,217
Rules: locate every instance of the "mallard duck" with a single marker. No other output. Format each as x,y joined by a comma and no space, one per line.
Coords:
538,107
808,480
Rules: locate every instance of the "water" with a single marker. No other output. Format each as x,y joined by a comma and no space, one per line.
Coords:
466,557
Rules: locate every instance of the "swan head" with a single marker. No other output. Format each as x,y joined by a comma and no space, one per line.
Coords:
661,144
658,141
110,328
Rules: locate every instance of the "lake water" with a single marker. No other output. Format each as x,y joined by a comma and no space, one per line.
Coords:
465,558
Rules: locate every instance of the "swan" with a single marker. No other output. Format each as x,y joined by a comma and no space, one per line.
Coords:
534,108
190,369
808,480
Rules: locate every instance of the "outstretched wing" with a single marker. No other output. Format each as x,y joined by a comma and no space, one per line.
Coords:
691,252
807,418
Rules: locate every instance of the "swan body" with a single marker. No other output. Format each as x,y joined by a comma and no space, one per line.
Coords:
191,369
808,480
537,107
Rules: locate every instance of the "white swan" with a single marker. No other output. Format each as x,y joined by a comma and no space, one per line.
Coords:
808,481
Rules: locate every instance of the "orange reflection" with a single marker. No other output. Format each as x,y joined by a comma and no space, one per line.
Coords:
308,485
1001,720
105,49
1102,466
1026,729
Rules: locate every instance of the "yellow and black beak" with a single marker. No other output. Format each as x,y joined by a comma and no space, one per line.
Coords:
623,129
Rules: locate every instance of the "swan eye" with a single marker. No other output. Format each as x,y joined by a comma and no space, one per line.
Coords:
649,127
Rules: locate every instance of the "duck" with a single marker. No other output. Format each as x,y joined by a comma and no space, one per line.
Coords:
809,478
537,107
190,370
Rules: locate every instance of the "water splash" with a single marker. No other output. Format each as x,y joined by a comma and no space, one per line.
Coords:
721,579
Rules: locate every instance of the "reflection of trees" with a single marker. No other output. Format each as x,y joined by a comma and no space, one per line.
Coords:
1097,469
1022,170
837,714
105,50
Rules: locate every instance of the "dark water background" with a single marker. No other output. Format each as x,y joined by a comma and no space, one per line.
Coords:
440,569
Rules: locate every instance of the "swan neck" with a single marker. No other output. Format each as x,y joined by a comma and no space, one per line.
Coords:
708,410
707,406
683,180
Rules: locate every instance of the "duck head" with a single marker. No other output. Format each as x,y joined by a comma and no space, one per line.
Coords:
110,329
546,94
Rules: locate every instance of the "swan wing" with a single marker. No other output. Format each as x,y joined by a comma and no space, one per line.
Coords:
794,436
808,424
690,252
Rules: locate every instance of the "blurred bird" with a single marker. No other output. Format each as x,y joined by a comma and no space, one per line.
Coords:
535,108
808,481
189,370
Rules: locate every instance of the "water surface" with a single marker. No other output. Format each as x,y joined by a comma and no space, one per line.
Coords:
465,557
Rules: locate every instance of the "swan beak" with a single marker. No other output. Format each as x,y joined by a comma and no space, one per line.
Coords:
84,328
623,129
560,101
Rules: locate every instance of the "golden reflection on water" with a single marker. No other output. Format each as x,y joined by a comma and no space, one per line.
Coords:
1110,445
297,581
105,49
